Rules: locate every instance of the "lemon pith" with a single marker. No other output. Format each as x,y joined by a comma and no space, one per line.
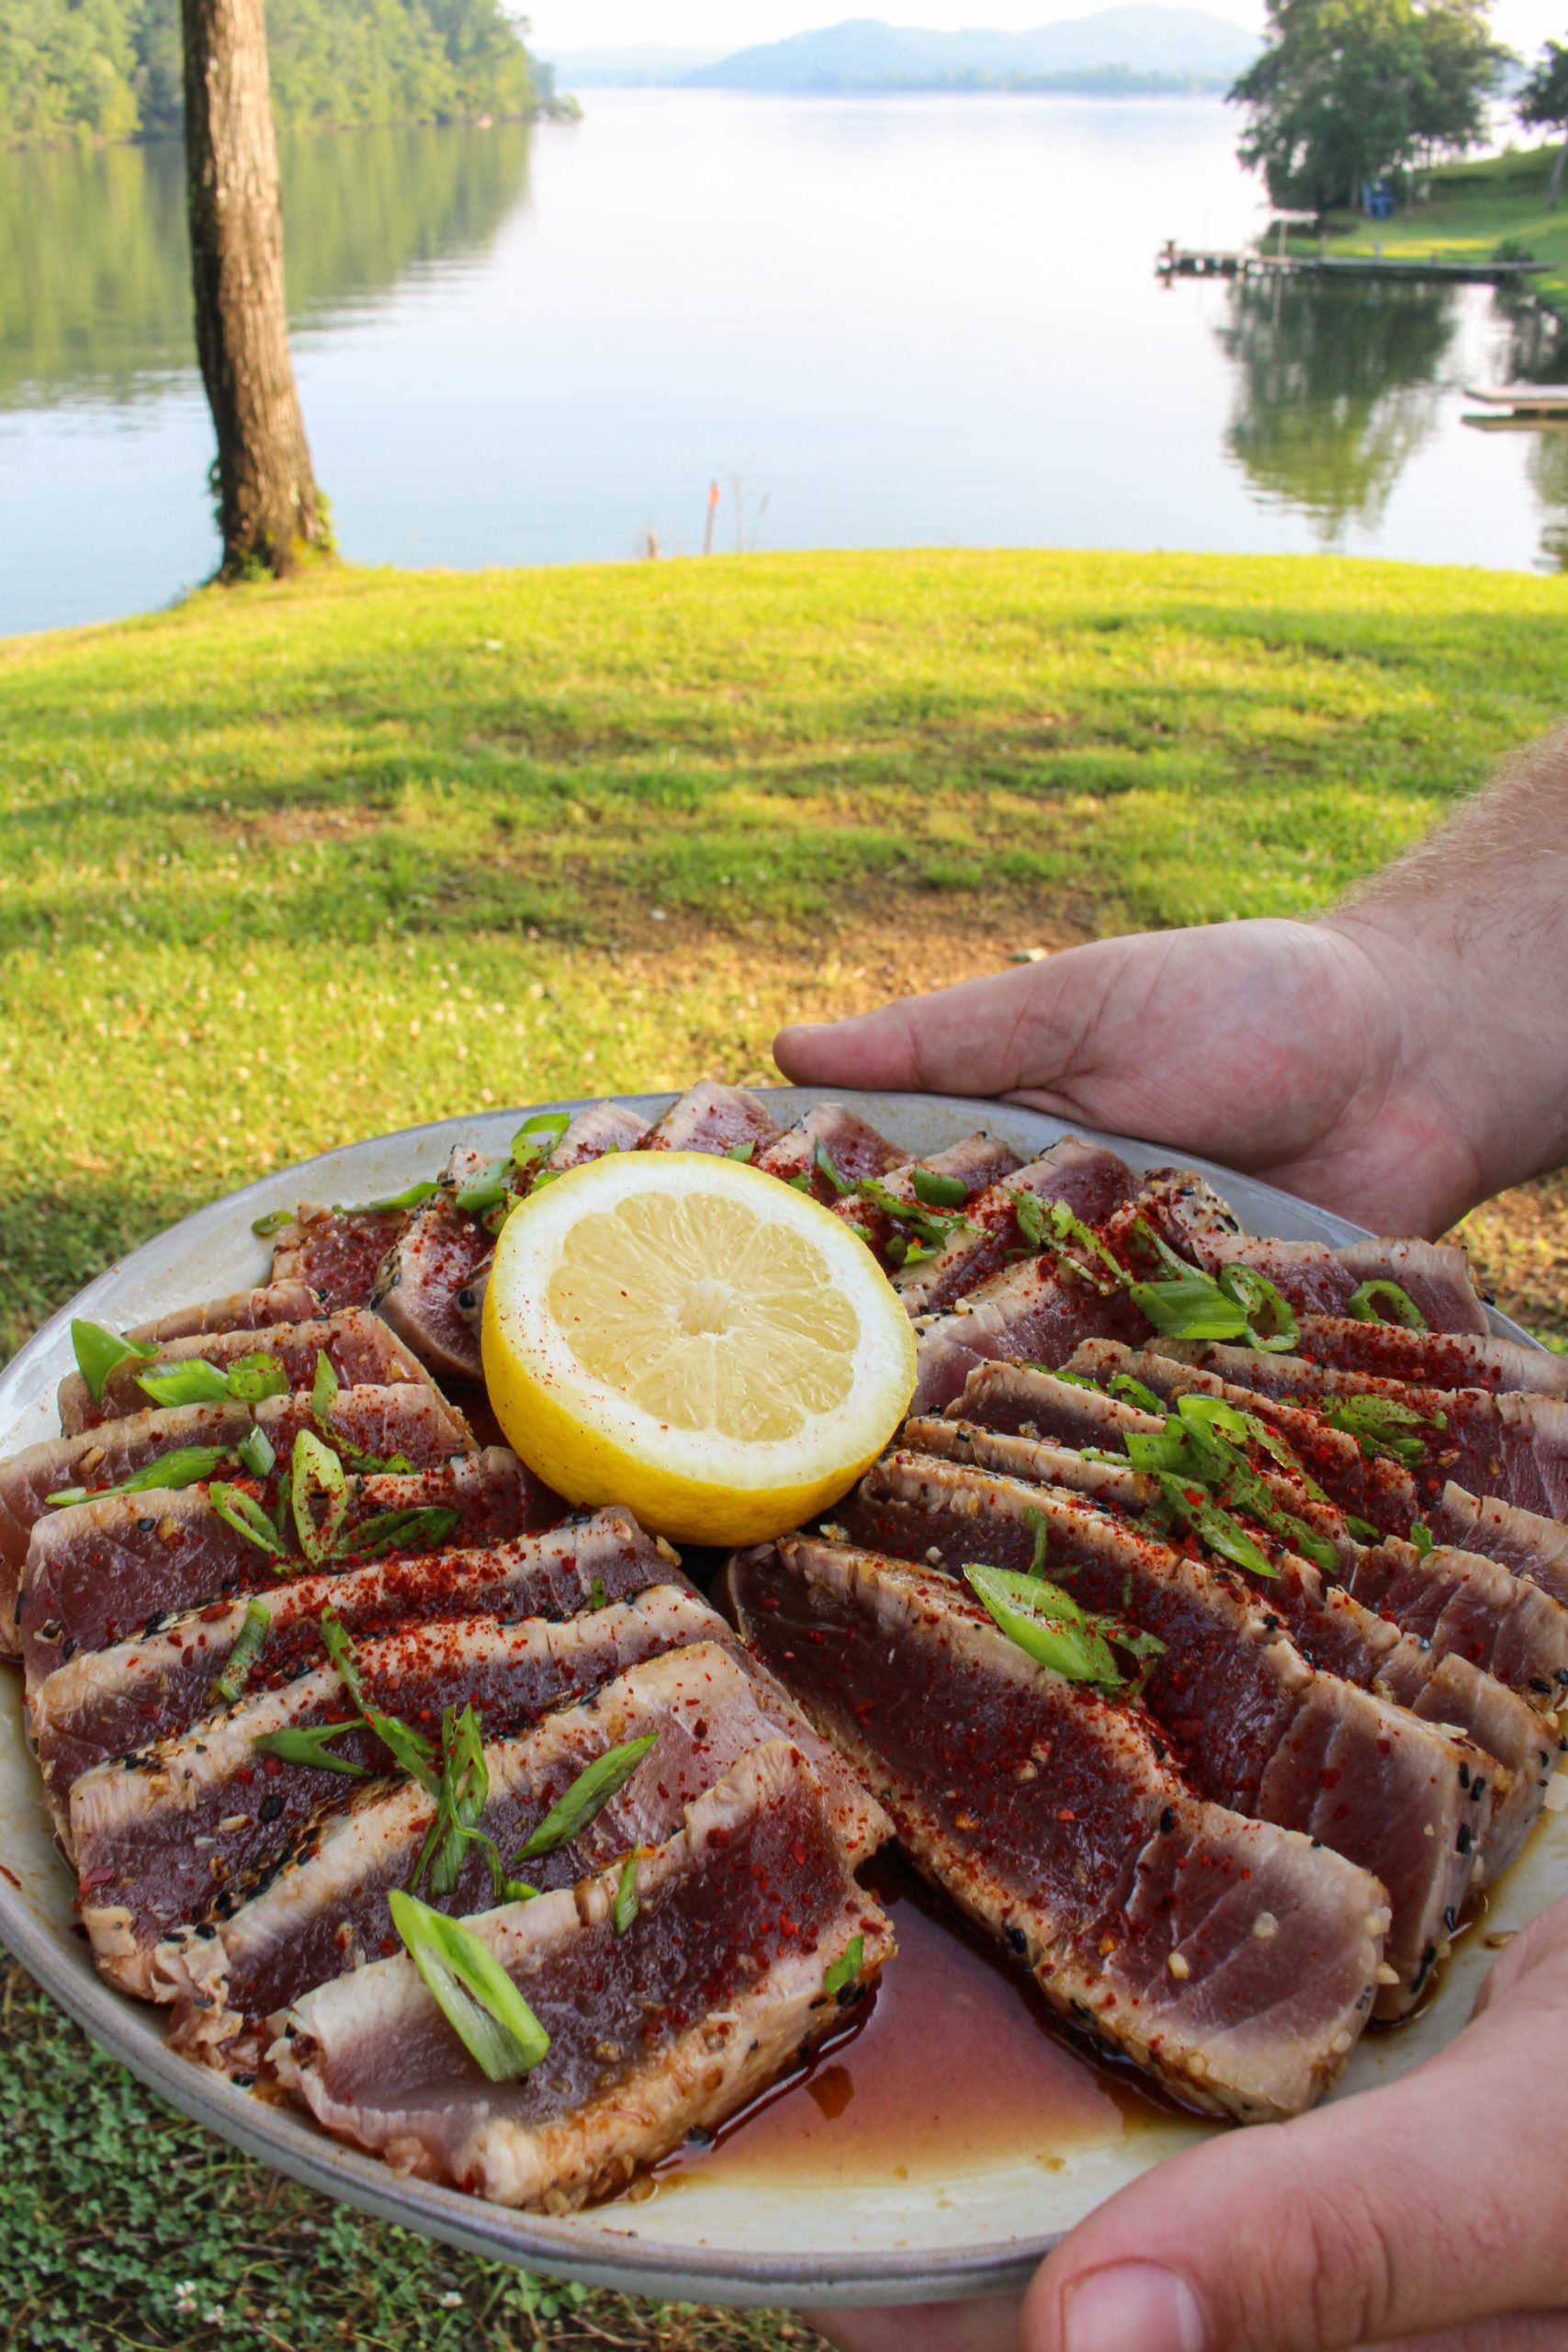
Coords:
689,1337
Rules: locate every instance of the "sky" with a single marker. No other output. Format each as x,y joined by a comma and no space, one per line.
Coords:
561,25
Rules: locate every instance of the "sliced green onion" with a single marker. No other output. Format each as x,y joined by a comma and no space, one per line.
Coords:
414,1197
1362,1530
744,1152
485,1190
937,1190
1421,1536
184,1465
537,1138
421,1528
592,1790
253,1378
246,1516
248,1645
471,1989
1042,1526
1214,1527
272,1221
1364,1305
192,1382
626,1903
1123,1384
1047,1624
460,1801
597,1596
822,1160
310,1746
325,1389
1376,1423
409,1750
316,1471
98,1351
846,1968
933,1227
1270,1319
258,1453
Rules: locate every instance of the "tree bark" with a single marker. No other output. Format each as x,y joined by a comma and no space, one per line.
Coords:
1556,189
270,511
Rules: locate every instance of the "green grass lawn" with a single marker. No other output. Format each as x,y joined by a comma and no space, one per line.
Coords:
1474,209
288,866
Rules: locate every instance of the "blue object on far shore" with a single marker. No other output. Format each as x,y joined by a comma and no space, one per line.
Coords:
1377,200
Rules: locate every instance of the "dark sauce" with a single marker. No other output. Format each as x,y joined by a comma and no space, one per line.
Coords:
958,2066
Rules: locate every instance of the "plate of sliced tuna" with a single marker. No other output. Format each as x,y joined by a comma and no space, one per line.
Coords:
1159,1737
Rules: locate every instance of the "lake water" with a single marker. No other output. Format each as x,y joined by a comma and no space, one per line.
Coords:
874,322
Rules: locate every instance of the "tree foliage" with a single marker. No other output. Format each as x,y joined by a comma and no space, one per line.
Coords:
1543,104
110,69
1347,91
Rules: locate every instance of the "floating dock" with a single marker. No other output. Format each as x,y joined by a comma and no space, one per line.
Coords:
1511,407
1187,261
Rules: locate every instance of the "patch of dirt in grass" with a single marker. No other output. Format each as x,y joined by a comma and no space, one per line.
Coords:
1519,1245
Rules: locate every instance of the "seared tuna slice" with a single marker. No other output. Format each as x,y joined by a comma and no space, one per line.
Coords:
1498,1722
712,1118
976,1164
1092,1182
1258,1727
827,1150
104,1703
241,1310
716,1988
337,1252
1430,1359
159,1836
1435,1276
1460,1603
1039,1309
1524,1542
103,1571
597,1128
95,1458
431,1269
325,1909
360,1347
1233,1960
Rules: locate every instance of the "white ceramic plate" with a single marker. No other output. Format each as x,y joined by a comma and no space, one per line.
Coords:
843,2236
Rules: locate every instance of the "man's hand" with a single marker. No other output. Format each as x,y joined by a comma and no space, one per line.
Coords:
1295,1050
1432,2216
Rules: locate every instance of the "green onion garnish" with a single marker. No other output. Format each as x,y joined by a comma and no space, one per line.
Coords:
1384,1302
1361,1529
316,1471
325,1386
248,1644
409,1750
471,1989
485,1190
1421,1536
822,1160
193,1382
1123,1384
1375,1423
421,1528
597,1596
626,1903
258,1453
184,1465
937,1190
1047,1624
246,1516
846,1968
461,1799
744,1152
310,1746
414,1197
255,1377
537,1137
273,1221
592,1790
98,1350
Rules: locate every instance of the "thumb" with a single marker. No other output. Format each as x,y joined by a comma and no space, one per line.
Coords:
1007,1030
1411,2211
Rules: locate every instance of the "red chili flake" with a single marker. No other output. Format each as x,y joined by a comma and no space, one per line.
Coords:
10,1878
1066,1812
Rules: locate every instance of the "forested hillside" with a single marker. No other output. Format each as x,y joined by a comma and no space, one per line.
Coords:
110,69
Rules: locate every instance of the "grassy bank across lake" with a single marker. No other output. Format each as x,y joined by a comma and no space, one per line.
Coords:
287,866
1473,209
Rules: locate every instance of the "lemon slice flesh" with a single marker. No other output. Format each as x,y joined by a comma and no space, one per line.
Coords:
690,1337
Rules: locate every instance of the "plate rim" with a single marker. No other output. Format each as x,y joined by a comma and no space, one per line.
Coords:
277,2134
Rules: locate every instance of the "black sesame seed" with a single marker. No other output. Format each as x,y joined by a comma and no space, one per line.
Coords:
699,2136
1018,1939
1466,1840
1464,1776
271,1806
1167,1821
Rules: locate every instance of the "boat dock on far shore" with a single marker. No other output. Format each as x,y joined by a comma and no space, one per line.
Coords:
1187,261
1510,407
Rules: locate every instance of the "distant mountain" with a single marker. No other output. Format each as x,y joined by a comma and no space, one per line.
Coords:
1124,47
629,69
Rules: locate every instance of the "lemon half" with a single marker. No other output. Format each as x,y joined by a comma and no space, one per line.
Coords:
690,1337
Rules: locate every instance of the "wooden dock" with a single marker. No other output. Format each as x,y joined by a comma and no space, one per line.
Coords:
1187,261
1518,407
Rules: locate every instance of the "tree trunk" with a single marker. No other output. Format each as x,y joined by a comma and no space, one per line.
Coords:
1555,190
269,509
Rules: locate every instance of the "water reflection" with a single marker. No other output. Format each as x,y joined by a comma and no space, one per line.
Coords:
1336,390
1535,351
94,297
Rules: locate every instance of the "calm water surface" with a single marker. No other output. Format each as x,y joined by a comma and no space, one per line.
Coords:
891,322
